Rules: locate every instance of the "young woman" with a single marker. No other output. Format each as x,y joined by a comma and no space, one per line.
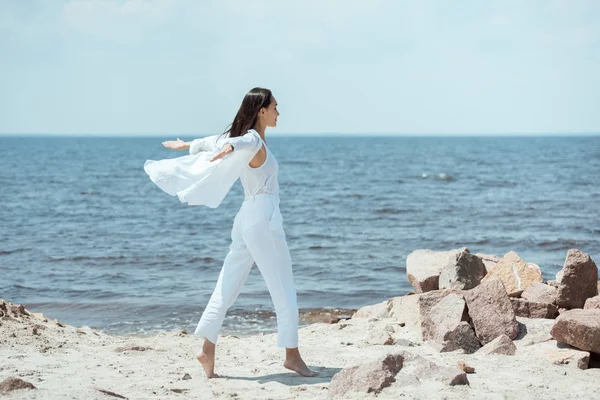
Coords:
257,234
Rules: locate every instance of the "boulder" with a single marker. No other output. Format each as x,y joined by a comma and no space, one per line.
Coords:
532,309
501,345
382,337
461,337
380,310
372,377
429,300
540,293
592,303
489,260
577,280
423,268
445,323
441,312
405,309
575,358
464,271
516,274
425,370
578,328
491,311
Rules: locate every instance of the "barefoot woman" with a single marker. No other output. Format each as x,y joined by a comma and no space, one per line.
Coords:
257,234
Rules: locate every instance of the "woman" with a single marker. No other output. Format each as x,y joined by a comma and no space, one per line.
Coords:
257,234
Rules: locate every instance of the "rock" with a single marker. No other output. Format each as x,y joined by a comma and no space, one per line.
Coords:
423,268
380,310
445,322
540,293
405,310
463,366
381,337
531,309
440,312
592,303
491,311
462,336
186,377
578,328
571,357
425,370
372,377
10,384
577,280
490,261
464,271
516,274
501,345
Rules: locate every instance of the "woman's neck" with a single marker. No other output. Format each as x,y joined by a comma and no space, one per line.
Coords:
260,128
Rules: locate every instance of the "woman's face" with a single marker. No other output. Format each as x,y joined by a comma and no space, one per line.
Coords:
269,114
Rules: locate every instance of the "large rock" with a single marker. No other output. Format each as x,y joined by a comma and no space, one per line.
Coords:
423,268
367,378
578,328
489,260
464,271
424,370
491,311
445,313
446,324
540,293
501,345
532,309
380,310
577,280
460,337
405,309
428,301
592,303
516,274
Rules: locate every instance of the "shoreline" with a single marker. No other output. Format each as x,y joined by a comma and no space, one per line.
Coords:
66,361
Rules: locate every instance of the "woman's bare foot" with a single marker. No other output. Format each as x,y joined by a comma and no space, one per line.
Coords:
206,356
294,362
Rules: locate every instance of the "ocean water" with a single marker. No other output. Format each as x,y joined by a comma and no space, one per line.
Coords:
87,238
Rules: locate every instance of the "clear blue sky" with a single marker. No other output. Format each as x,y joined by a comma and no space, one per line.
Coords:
182,67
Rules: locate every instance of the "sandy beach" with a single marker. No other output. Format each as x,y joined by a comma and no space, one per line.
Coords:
67,362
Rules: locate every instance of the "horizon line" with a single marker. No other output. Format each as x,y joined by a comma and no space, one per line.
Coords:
197,134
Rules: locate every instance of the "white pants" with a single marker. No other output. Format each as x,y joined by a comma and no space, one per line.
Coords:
257,236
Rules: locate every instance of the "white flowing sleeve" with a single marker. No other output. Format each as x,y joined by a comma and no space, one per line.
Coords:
250,141
198,181
203,144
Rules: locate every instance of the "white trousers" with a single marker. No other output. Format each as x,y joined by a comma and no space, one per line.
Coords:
257,237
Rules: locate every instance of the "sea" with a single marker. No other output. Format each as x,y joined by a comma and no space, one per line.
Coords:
88,239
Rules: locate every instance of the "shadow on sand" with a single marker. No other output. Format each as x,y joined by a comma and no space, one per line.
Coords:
290,378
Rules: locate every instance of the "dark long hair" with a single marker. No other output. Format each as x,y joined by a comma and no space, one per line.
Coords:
245,118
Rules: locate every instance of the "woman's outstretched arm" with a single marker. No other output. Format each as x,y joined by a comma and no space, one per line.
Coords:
195,146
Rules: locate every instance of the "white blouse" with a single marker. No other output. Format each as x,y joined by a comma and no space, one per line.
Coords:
197,181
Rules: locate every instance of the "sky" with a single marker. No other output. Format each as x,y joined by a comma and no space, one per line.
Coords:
141,67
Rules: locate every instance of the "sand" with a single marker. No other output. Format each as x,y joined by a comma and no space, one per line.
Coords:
67,362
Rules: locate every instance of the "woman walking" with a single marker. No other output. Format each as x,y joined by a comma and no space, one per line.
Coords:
204,177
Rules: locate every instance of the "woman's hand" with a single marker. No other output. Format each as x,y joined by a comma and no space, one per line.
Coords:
228,148
175,144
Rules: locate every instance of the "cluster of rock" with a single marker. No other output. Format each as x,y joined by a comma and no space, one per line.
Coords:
469,302
465,301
